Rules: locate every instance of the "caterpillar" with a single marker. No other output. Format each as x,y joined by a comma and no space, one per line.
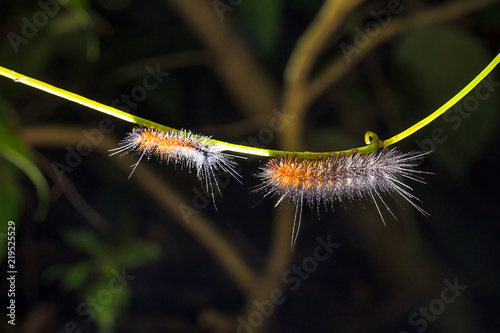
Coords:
180,148
341,179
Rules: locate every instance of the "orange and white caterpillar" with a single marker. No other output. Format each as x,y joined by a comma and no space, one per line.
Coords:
180,148
340,179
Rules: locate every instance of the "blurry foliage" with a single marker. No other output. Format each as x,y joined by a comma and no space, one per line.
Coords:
13,151
463,55
88,42
91,276
263,22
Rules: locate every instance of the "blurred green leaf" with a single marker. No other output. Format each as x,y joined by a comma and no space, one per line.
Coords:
8,137
139,252
108,302
10,204
78,20
85,241
262,20
76,276
10,193
435,63
80,4
14,151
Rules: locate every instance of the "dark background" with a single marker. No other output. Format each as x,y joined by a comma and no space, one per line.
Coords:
98,223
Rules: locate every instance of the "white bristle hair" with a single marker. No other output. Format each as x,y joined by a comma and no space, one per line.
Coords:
341,179
181,148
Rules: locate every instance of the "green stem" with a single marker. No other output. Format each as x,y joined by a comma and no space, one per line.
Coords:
371,139
446,106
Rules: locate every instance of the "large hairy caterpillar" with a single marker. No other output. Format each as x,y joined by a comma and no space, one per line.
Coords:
181,148
340,179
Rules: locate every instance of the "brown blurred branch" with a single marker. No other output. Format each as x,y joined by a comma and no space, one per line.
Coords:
339,67
299,93
298,69
252,88
296,95
166,197
67,187
167,62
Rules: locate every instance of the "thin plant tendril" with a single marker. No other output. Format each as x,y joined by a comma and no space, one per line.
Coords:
371,139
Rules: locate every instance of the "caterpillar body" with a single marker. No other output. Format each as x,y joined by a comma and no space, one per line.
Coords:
180,148
340,179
